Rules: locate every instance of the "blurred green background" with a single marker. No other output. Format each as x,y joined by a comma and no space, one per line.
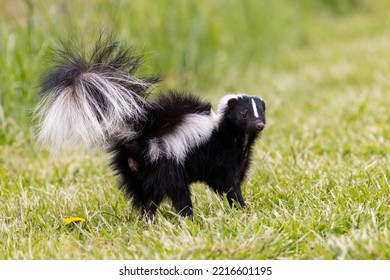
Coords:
210,47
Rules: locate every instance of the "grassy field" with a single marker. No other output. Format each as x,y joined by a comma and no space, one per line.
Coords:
319,183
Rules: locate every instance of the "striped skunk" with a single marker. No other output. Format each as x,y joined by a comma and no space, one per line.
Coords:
158,147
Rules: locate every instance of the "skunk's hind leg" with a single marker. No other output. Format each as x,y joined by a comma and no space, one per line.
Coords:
234,195
178,189
181,200
166,178
179,193
150,204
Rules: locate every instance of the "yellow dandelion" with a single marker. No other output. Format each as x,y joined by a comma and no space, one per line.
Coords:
74,220
380,125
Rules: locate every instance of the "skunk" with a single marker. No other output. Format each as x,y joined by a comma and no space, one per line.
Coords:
159,146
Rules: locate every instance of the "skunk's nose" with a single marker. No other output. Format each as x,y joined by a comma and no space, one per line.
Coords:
259,125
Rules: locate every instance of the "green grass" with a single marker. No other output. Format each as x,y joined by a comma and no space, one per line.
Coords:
319,182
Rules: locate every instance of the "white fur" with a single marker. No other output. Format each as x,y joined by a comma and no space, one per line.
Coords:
155,151
255,112
192,132
223,103
71,115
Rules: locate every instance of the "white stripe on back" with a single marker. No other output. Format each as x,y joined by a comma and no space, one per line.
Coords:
195,130
255,108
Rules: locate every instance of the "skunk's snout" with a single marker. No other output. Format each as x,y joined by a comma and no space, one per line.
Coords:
259,125
256,127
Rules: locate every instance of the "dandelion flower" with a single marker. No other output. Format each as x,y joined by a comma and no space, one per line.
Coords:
73,220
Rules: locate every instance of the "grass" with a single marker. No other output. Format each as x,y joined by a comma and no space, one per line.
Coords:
319,183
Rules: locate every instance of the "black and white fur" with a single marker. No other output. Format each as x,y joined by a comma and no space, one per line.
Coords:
158,147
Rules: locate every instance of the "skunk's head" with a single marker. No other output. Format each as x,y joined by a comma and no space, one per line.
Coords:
244,112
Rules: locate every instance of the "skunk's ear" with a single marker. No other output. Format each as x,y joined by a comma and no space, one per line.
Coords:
232,103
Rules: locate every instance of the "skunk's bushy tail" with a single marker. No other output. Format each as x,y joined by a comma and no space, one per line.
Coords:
91,97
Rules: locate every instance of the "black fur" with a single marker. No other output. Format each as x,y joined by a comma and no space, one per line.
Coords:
167,111
219,159
221,162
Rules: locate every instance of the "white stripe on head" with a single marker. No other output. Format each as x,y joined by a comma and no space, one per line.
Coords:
256,113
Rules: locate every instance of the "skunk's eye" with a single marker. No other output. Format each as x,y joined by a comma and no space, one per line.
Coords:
244,115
